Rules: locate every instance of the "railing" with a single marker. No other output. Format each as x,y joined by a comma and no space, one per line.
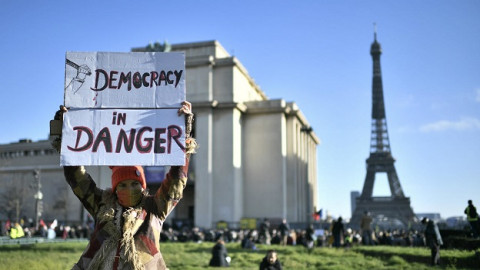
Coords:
5,240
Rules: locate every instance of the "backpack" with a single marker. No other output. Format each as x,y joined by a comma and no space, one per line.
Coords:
473,212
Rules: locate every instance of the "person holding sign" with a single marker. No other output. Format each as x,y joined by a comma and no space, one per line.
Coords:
128,220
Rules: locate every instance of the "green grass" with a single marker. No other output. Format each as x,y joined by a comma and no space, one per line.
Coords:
197,256
451,258
40,256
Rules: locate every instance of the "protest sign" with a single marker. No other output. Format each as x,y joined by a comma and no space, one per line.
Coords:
123,109
124,80
122,137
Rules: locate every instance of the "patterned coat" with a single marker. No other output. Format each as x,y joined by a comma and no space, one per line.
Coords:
125,238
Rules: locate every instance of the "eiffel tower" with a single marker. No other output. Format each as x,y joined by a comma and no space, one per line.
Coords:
395,208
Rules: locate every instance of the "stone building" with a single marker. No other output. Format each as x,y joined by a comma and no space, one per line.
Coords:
257,156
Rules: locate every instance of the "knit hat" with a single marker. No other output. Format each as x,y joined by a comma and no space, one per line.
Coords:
121,173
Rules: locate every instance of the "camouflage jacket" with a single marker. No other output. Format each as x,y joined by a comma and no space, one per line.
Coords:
125,238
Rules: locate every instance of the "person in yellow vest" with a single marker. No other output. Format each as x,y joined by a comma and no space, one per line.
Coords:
16,231
13,232
20,232
472,217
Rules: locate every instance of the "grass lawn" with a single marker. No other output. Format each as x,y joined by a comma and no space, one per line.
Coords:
196,256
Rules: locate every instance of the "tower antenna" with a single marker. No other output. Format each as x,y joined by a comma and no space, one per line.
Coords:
375,31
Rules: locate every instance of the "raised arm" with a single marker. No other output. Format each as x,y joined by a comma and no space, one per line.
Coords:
171,190
81,183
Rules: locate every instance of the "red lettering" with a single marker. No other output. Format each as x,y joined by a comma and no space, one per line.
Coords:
141,140
153,78
174,132
158,148
105,138
127,142
88,144
138,141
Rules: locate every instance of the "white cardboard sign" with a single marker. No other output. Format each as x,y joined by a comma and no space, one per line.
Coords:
123,109
122,137
124,80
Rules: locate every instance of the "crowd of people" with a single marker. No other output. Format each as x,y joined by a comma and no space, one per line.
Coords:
50,230
333,235
328,236
325,235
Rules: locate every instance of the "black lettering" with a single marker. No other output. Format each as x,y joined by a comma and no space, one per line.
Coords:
137,80
138,141
114,119
104,80
174,132
144,79
158,148
105,138
88,144
124,78
122,118
153,78
112,79
127,142
168,77
162,78
97,78
178,75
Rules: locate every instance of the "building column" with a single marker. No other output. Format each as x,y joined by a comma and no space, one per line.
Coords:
203,168
227,160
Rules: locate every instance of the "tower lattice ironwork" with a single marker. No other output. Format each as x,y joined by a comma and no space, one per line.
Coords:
395,209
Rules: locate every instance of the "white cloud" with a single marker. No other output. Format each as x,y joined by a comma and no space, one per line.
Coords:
406,129
463,124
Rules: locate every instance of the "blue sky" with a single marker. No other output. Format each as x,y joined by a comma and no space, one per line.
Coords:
315,53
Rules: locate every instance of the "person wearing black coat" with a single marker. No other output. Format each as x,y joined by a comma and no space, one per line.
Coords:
284,229
219,255
270,261
433,240
337,231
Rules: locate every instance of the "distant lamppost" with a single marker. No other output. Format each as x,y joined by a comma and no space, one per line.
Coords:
307,130
38,196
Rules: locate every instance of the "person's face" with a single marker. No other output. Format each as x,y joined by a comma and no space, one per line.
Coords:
129,184
272,257
129,193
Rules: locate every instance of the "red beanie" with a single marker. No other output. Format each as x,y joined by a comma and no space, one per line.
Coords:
121,173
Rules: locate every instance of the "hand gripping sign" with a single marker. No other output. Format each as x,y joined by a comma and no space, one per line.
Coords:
123,109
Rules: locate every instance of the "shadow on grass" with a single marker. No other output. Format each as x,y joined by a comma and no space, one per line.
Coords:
470,262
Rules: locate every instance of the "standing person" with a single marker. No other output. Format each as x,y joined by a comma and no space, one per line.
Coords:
265,232
8,226
284,229
472,217
219,255
270,261
2,228
337,231
309,237
366,227
433,239
128,220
